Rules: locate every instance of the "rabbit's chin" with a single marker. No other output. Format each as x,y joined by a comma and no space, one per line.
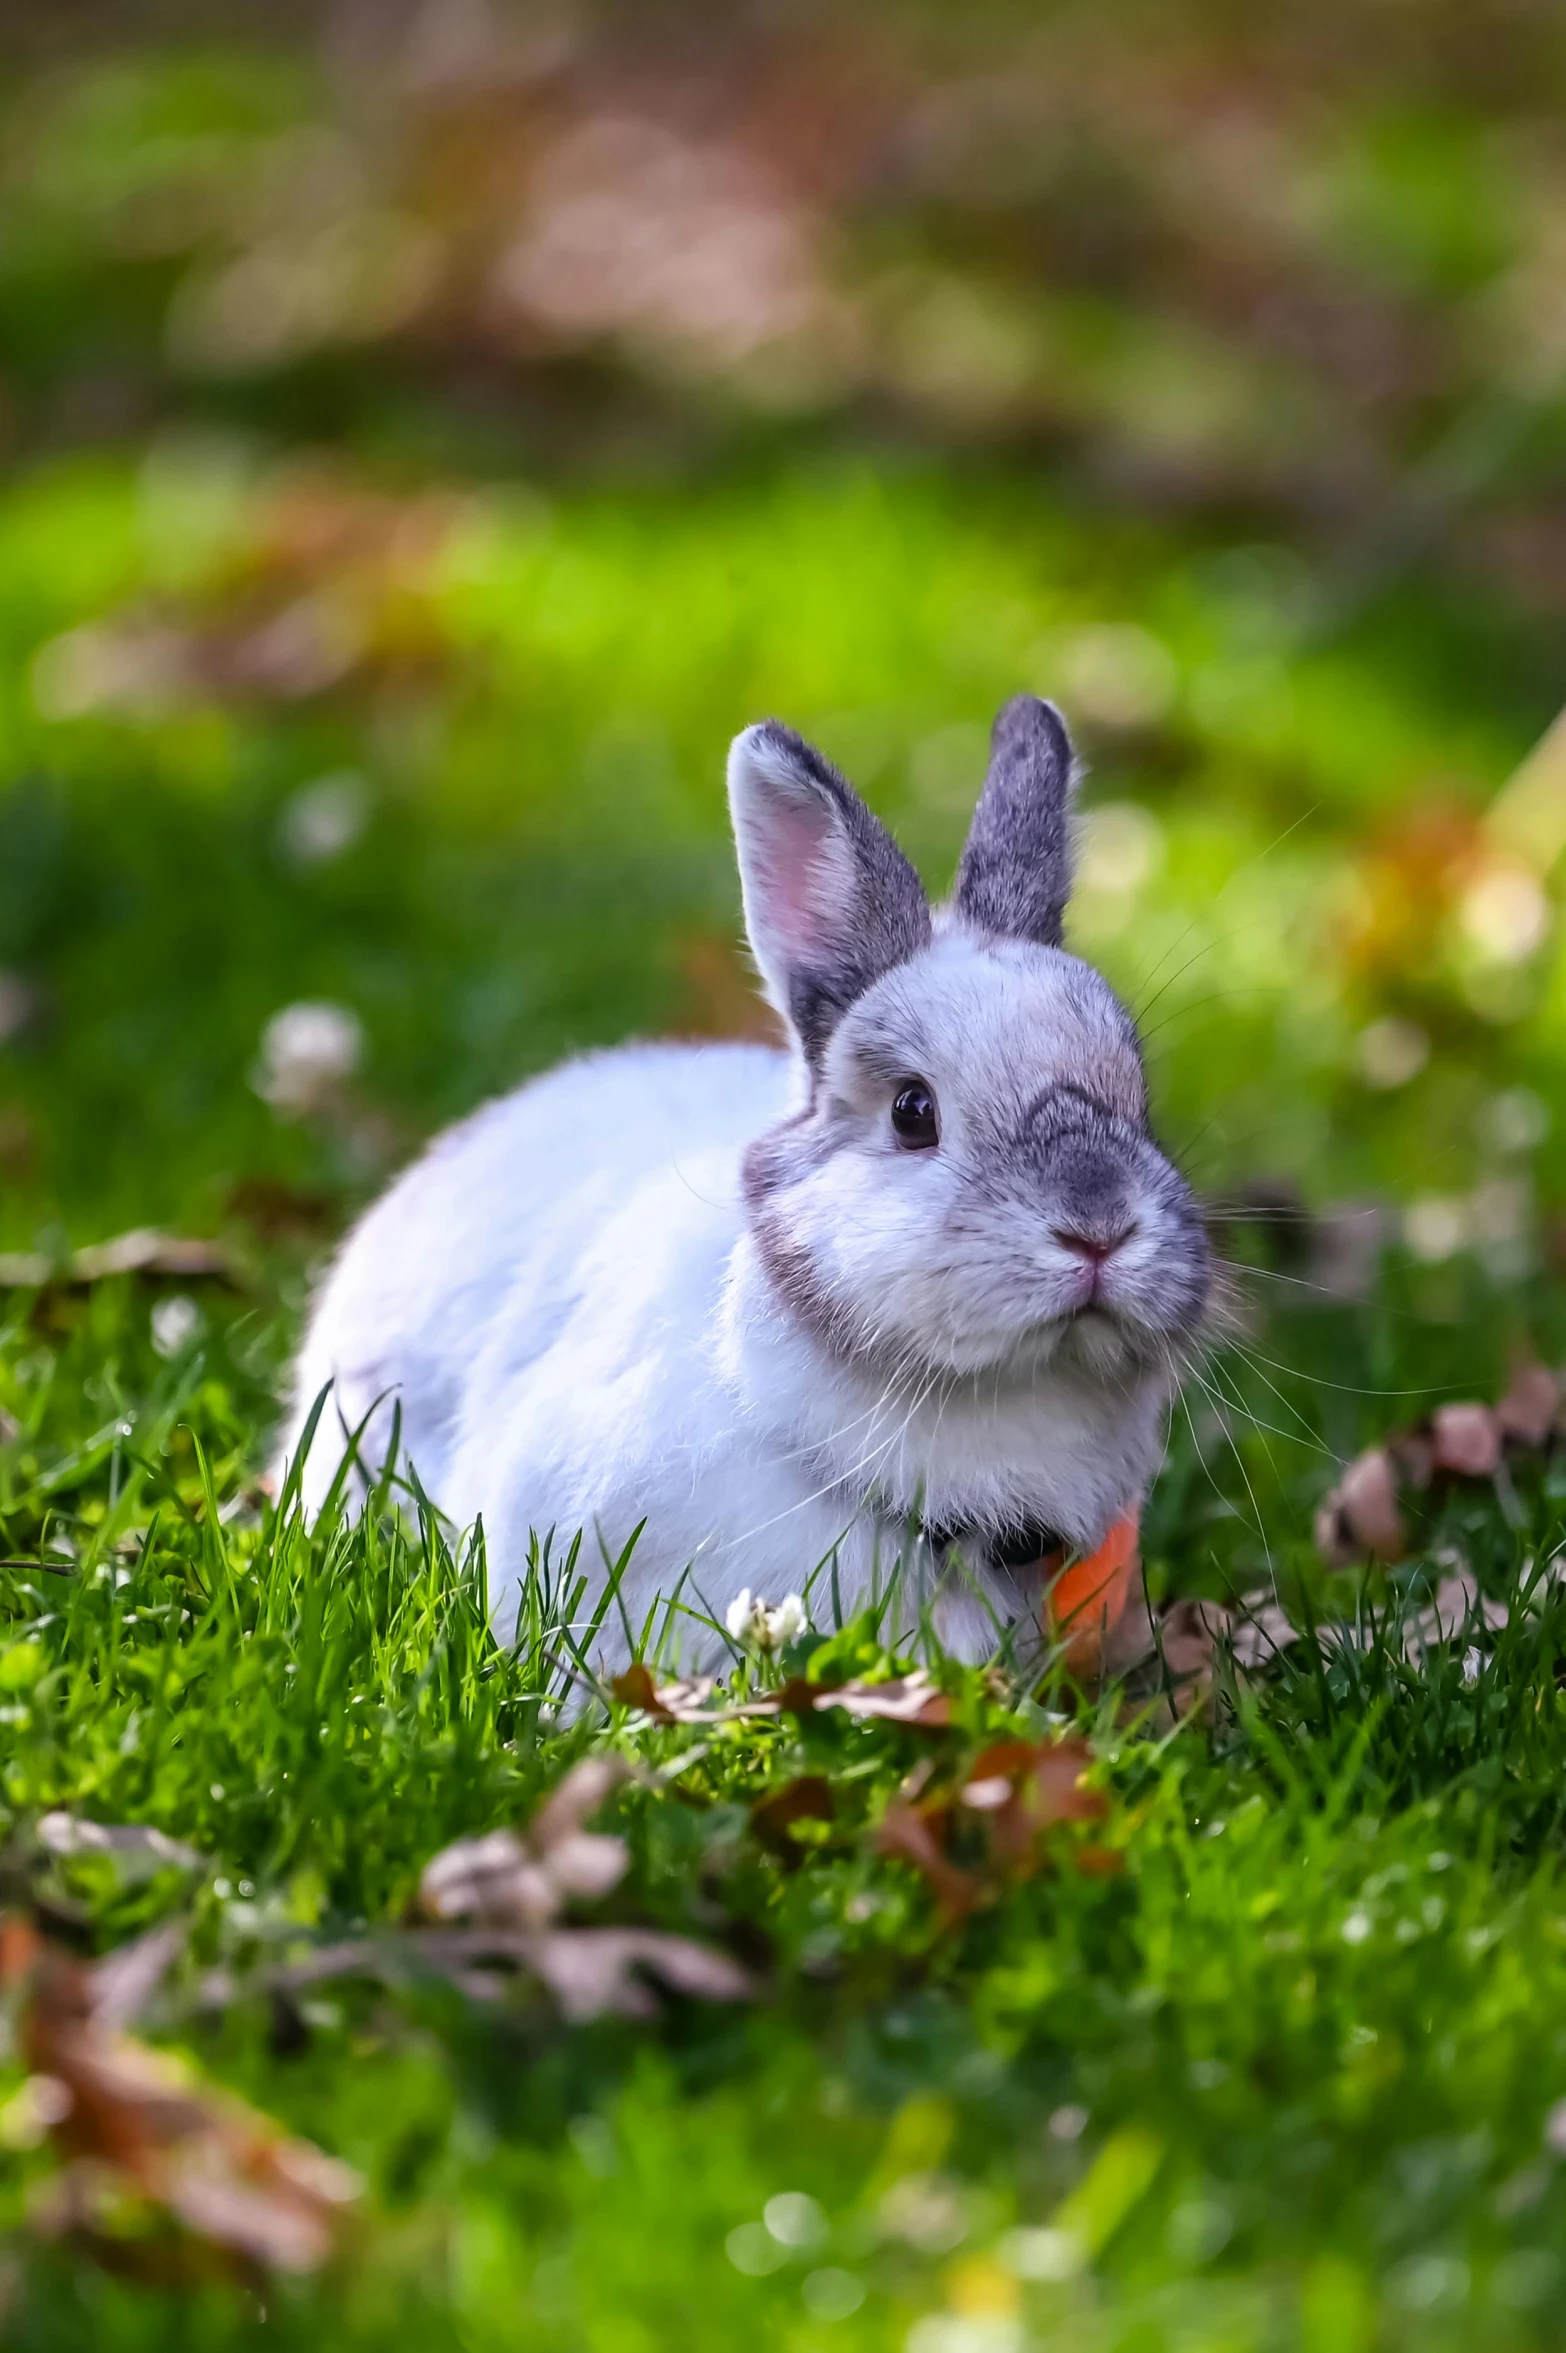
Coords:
1096,1342
1096,1345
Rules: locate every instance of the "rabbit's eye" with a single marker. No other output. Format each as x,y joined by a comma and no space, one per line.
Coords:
914,1122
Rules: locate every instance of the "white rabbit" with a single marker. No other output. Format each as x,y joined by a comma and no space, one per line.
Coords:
926,1269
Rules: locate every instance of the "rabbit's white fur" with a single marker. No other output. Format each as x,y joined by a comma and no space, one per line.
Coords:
702,1287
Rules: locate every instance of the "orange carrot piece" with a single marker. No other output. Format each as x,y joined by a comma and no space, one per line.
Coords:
1088,1597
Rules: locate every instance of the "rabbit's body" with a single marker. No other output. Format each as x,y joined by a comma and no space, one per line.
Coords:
716,1289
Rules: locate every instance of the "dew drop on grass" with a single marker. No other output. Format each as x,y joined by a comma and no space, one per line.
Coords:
1042,2254
752,2249
795,2219
1198,2230
831,2294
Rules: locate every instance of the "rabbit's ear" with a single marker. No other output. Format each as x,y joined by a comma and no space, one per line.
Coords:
830,901
1015,876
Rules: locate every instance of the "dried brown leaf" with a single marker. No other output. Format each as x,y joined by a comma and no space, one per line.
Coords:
134,2123
591,1971
1466,1440
807,1798
124,1981
1527,1411
494,1879
569,1804
142,1252
1460,1441
588,1970
683,1702
1361,1515
1189,1633
906,1699
1012,1793
585,1864
1456,1609
1257,1635
636,1689
130,1843
911,1835
523,1879
513,1885
1020,1788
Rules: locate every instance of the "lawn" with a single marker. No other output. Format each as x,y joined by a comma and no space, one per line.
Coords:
333,681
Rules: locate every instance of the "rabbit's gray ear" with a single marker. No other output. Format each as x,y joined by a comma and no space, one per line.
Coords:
830,901
1015,876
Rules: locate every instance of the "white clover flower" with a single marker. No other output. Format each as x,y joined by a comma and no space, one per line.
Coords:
788,1621
742,1615
324,818
752,1620
307,1052
175,1322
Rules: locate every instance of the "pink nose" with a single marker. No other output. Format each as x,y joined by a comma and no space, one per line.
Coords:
1094,1248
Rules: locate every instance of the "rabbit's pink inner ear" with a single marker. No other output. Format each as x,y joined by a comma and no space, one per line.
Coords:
801,871
830,901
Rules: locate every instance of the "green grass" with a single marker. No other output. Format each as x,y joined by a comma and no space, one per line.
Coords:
1286,2076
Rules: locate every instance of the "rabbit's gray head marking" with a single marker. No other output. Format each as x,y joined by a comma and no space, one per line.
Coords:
1046,1224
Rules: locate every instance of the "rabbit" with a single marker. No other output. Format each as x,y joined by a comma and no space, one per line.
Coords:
924,1272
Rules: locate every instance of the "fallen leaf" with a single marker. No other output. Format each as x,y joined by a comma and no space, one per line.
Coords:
1021,1787
1466,1440
1361,1514
1012,1793
132,1843
808,1798
591,1971
1189,1633
135,2127
909,1833
523,1878
635,1689
1527,1412
142,1252
124,1981
494,1879
1257,1635
906,1699
1456,1609
513,1885
682,1702
588,1970
568,1805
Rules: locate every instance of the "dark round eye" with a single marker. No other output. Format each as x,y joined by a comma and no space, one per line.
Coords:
913,1117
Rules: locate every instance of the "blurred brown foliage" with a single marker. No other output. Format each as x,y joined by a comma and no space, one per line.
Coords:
1217,256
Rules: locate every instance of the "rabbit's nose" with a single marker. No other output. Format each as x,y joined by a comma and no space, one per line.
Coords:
1093,1247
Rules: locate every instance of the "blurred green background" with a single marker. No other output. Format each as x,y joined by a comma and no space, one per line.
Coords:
430,430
